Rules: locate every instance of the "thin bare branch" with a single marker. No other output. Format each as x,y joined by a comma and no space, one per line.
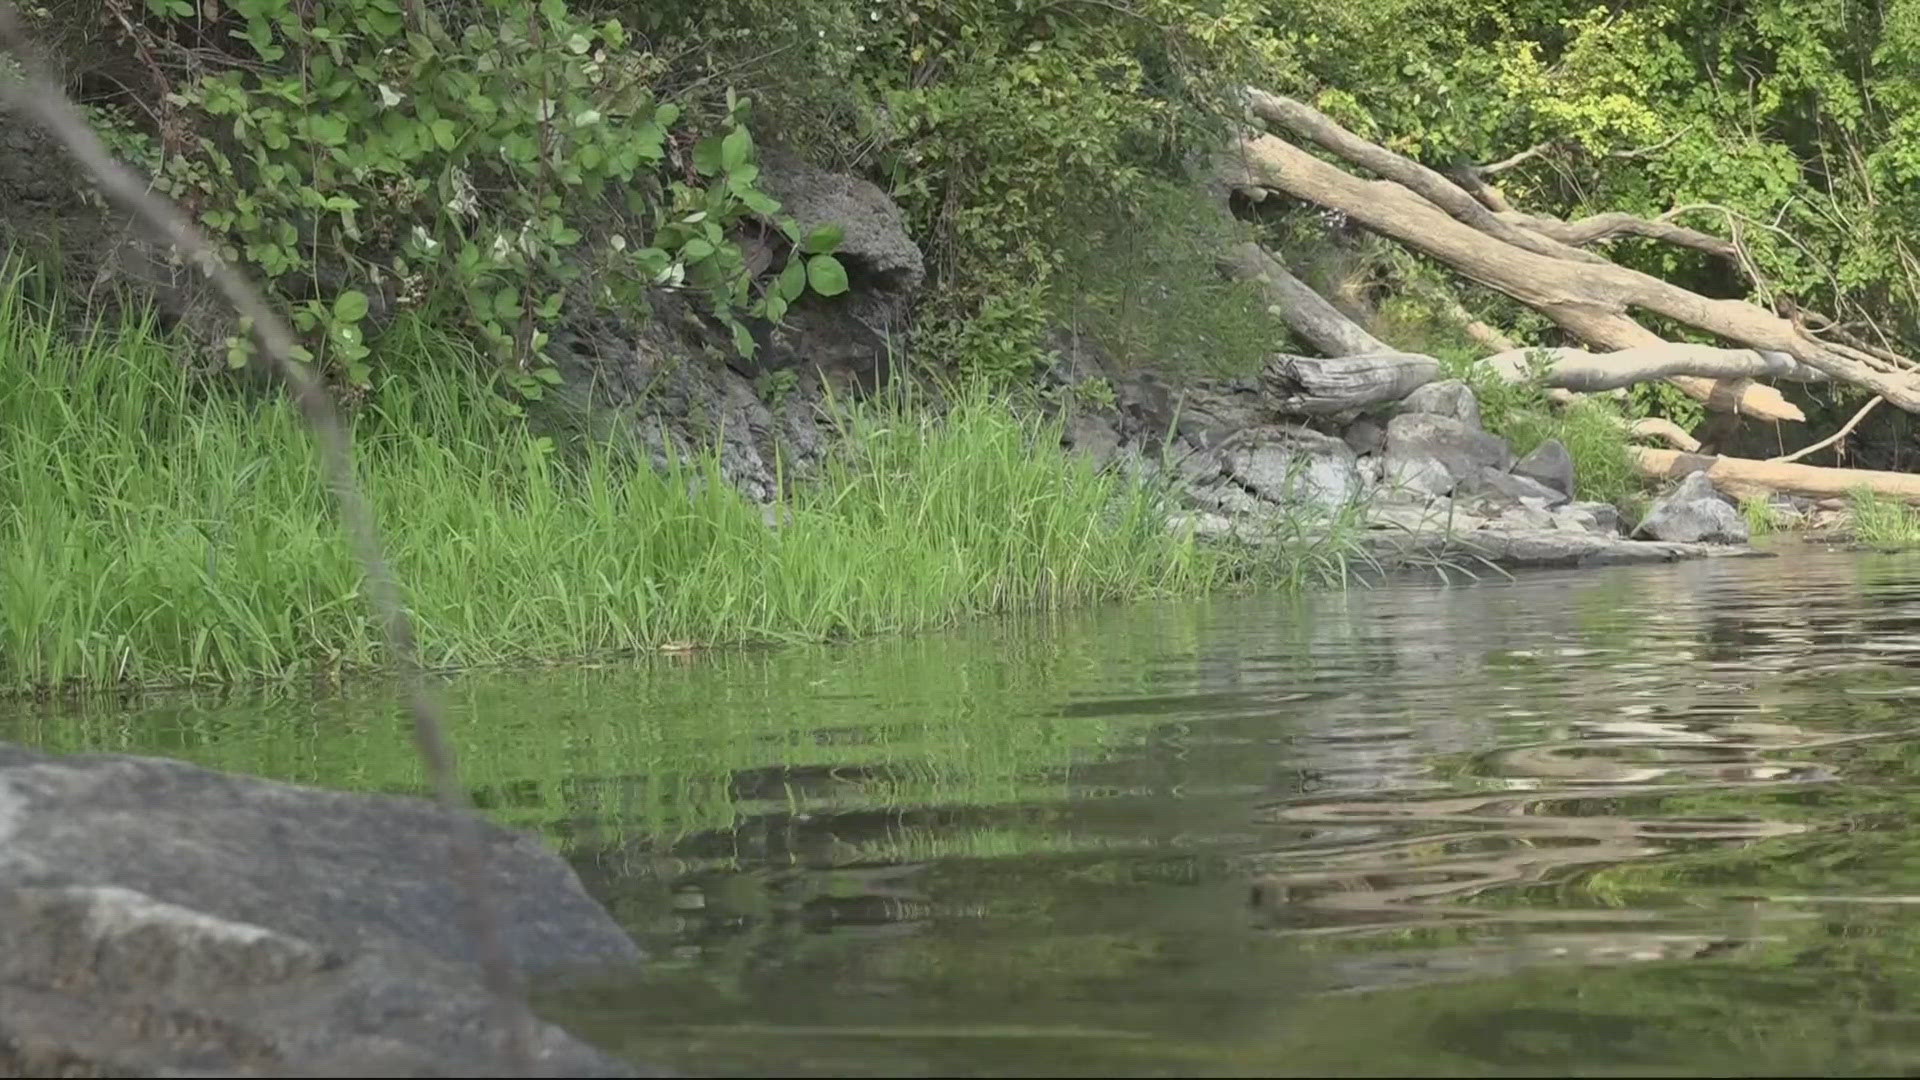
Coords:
1872,404
1514,161
34,93
1649,151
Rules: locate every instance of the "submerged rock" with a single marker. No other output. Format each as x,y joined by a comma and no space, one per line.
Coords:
156,917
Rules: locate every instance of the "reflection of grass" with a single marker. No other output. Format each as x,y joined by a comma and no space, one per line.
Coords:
666,748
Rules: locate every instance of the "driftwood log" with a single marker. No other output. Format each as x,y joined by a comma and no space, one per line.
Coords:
1587,296
1316,321
1321,386
1745,477
1589,373
1308,385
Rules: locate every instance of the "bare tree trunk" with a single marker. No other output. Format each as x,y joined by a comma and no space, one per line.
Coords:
1745,477
1318,322
1587,296
1315,386
1589,373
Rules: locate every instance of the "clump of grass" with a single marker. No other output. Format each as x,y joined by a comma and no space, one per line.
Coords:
1762,516
159,530
1883,522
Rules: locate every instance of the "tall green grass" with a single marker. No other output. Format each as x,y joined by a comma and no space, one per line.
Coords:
1883,522
158,529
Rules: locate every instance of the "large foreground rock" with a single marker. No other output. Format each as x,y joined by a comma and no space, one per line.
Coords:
161,919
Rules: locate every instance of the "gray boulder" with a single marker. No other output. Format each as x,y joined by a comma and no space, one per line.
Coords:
105,981
1448,397
1595,517
1093,436
874,240
1438,454
1513,485
158,917
1365,436
1550,464
1290,465
1694,512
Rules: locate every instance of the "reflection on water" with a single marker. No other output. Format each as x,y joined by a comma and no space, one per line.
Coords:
1643,821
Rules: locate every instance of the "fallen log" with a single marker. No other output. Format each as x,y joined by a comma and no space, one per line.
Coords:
1657,427
1587,296
1313,385
1590,373
1320,386
1746,478
1317,322
1557,288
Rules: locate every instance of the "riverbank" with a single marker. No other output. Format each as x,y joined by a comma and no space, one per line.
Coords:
163,530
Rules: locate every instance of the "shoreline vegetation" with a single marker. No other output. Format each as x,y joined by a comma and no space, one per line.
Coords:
163,530
1054,174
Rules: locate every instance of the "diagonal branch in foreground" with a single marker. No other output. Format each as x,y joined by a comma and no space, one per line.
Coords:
32,92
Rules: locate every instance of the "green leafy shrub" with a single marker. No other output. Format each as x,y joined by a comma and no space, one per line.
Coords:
492,155
1141,280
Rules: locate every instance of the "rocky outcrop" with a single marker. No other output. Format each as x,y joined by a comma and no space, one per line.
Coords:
159,918
1428,480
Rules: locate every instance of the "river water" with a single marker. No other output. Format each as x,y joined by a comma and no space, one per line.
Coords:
1646,821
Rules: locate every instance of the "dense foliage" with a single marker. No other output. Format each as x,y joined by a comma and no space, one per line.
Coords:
488,153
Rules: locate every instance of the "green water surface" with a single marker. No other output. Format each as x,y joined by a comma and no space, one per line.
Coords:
1646,821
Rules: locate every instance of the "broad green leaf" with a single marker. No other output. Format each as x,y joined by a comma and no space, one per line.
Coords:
823,239
350,306
707,155
826,275
793,280
735,149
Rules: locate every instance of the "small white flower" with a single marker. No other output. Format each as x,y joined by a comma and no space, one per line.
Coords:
617,242
389,97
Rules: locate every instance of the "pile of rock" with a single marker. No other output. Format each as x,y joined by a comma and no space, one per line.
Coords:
1426,477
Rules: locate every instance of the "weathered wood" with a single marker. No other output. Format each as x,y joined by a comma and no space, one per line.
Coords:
1598,227
1310,385
1588,300
1587,296
1317,322
1745,477
1656,427
1590,373
1318,386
